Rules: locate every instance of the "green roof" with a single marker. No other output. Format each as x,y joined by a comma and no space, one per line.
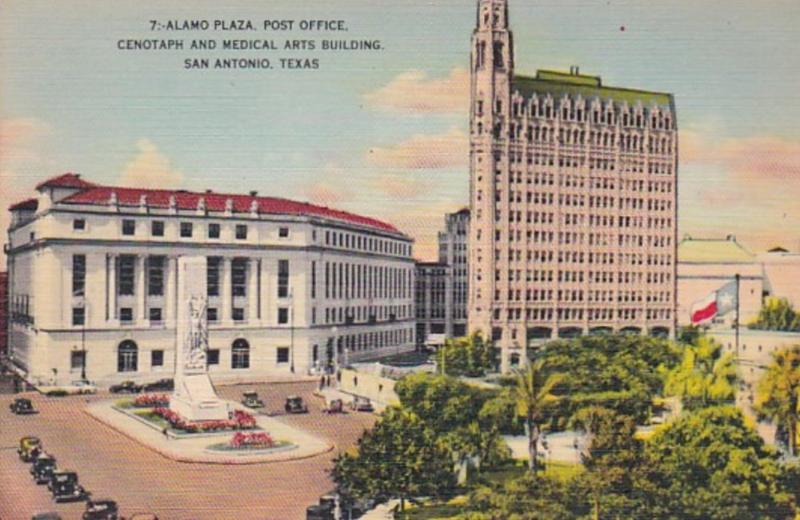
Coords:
713,251
558,83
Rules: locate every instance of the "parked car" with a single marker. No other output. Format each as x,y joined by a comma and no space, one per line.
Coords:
319,512
51,515
65,488
84,386
22,406
142,516
29,448
43,468
250,399
295,404
334,406
125,387
101,510
361,404
160,385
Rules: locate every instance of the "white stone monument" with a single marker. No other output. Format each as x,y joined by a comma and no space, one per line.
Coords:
194,397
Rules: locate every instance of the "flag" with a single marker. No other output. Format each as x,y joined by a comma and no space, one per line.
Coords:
717,303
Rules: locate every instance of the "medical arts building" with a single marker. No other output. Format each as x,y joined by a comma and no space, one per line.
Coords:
292,287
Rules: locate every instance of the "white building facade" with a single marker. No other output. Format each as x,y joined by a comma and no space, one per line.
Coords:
292,287
453,251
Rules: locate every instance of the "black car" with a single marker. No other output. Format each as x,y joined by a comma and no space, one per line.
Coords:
65,487
52,515
101,510
22,406
295,404
160,385
125,387
43,468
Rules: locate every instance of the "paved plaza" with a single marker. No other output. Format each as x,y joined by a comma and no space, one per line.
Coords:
111,465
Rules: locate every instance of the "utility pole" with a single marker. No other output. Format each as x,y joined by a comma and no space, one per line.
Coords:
736,319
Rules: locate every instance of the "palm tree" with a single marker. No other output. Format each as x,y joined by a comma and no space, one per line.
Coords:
705,375
533,393
777,395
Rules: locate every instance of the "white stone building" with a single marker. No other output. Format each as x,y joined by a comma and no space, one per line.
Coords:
453,251
292,287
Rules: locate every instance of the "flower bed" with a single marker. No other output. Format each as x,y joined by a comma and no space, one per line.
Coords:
241,421
151,401
260,440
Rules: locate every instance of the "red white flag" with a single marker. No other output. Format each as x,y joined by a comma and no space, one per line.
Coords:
717,303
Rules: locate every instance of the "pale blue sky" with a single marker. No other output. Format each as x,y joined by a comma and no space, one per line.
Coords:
72,102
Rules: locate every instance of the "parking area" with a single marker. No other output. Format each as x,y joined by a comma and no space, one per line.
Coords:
112,466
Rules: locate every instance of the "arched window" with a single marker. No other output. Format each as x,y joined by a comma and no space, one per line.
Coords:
240,354
127,356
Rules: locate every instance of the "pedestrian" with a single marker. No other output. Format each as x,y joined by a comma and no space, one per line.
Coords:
322,382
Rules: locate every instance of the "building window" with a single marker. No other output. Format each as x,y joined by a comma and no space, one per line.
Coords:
78,275
212,356
212,275
157,228
213,231
238,314
156,358
78,315
125,275
155,276
77,360
127,357
239,276
128,227
79,224
283,315
313,279
211,314
126,314
186,230
283,354
283,232
240,354
283,278
315,353
155,314
241,232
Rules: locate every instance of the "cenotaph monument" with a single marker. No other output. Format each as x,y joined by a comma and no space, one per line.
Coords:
194,397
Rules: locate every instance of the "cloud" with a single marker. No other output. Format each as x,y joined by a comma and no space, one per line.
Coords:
400,186
423,151
414,92
150,169
20,137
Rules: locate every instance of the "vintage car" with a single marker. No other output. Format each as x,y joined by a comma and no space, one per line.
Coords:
361,404
65,488
295,404
29,448
142,516
250,399
83,386
334,406
160,385
319,512
101,510
125,387
43,468
22,406
50,515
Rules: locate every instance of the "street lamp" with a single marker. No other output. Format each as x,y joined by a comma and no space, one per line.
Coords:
335,349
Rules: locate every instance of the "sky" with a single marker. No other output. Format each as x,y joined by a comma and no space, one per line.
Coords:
384,133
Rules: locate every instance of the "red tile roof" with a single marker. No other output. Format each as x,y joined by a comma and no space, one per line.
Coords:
67,180
185,200
29,204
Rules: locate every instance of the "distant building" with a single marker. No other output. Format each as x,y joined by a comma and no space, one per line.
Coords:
705,265
291,286
3,313
573,187
453,251
782,274
433,302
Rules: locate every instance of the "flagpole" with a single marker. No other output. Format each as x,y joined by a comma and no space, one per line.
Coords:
737,317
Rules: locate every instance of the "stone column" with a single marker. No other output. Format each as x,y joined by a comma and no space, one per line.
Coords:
141,289
252,290
227,291
111,269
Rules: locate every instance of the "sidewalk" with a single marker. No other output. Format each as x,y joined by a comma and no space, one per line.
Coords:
196,449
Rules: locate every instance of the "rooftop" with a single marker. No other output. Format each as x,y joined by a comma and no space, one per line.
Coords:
573,84
713,251
93,194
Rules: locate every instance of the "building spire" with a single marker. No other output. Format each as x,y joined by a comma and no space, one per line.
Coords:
492,15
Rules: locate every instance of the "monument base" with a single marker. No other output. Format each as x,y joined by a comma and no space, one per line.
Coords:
195,399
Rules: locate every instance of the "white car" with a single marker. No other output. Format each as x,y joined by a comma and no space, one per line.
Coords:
84,387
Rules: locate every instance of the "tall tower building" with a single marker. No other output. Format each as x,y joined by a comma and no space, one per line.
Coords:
573,195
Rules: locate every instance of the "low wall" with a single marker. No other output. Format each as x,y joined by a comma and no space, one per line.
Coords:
376,388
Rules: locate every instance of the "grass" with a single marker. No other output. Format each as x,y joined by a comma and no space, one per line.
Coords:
124,404
150,416
224,446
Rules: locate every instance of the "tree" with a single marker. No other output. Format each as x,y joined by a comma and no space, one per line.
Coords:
533,394
705,376
710,464
469,356
777,394
777,314
399,457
